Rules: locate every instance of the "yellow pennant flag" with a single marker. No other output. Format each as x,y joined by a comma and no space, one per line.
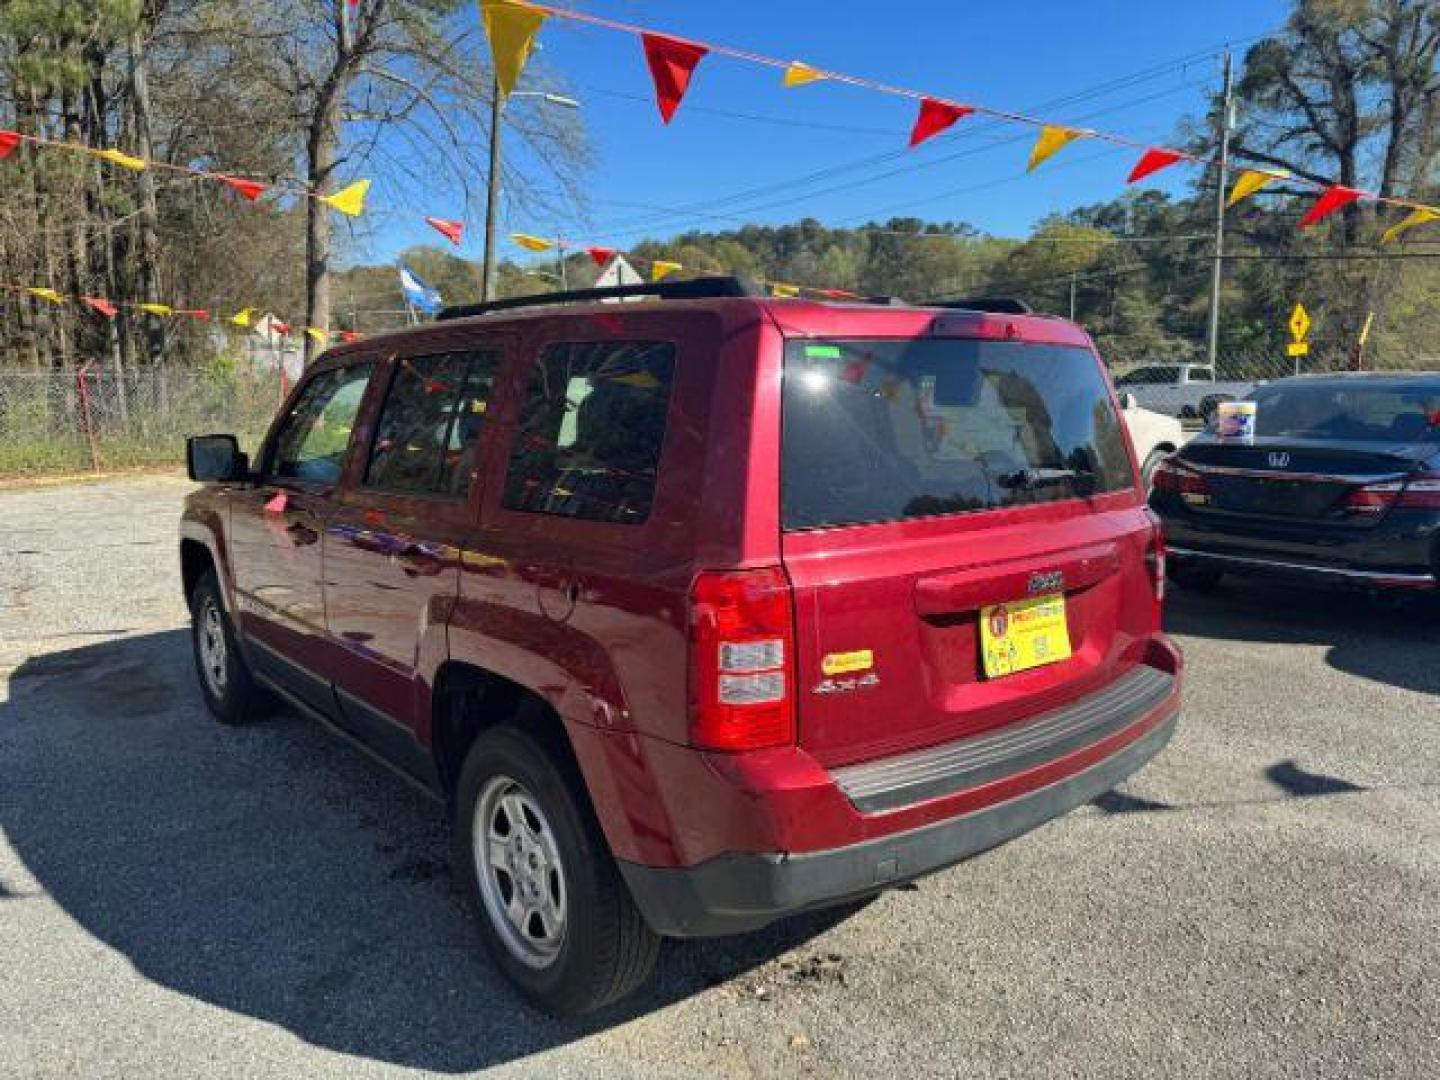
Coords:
1421,215
1052,140
511,27
1251,181
350,201
47,294
662,269
779,288
156,309
243,317
801,74
124,160
532,243
314,333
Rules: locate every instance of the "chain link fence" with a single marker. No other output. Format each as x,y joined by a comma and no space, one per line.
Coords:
96,419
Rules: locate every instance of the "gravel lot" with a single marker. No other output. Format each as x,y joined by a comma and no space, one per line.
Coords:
178,899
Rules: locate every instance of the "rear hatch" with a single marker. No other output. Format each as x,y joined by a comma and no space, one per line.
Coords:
941,491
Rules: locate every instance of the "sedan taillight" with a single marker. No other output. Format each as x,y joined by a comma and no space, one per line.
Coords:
1418,492
1174,476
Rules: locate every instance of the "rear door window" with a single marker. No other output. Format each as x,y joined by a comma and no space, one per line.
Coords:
590,432
885,430
430,423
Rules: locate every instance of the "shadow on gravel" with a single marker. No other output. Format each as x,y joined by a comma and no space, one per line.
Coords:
1393,642
272,871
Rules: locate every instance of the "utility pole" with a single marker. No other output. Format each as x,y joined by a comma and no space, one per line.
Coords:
492,199
1072,294
1227,121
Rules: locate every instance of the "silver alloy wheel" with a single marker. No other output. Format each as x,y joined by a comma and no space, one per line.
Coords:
210,640
517,862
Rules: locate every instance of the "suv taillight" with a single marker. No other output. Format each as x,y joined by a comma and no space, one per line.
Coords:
742,660
1418,492
1171,475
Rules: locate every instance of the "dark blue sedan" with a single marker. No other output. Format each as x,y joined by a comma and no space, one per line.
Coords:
1339,484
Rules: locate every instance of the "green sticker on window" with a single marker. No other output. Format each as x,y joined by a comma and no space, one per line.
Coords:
822,352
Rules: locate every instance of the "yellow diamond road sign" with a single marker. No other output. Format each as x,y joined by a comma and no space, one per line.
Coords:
1299,322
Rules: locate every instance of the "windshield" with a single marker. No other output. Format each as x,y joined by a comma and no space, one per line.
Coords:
1364,412
884,430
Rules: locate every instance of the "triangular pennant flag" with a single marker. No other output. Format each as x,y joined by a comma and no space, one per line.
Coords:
1053,138
1152,161
348,336
661,269
104,307
780,288
199,314
1251,181
350,201
934,117
1421,215
156,309
511,28
314,333
532,243
278,327
250,190
1332,199
46,294
124,160
801,74
243,317
9,140
601,255
671,64
451,230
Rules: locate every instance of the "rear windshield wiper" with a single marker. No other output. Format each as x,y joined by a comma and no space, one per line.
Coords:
1030,479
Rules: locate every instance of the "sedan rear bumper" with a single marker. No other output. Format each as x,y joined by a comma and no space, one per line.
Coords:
1293,569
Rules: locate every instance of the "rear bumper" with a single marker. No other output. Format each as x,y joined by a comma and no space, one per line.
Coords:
1294,569
740,891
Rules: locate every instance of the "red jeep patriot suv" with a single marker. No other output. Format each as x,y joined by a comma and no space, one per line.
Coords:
700,609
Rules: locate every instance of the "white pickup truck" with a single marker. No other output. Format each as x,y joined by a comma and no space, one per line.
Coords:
1189,391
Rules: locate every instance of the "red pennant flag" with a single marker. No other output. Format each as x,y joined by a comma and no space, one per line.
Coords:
1152,161
348,336
671,63
9,140
601,255
935,116
1333,199
278,327
196,313
277,503
104,307
249,189
451,230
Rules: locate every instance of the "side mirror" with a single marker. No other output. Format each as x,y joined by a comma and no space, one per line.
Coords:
1129,401
215,459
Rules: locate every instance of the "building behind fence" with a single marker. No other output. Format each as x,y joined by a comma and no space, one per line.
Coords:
94,419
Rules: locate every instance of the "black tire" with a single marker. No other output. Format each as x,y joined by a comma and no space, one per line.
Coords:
230,691
1193,578
606,949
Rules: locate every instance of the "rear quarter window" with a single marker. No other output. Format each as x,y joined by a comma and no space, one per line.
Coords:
885,430
591,431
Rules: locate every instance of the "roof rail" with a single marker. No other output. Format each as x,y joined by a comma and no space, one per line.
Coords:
693,289
998,305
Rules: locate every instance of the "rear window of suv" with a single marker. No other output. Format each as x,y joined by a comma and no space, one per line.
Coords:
886,430
1353,411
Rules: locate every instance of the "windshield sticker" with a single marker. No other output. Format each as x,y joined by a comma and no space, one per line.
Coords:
1235,420
822,352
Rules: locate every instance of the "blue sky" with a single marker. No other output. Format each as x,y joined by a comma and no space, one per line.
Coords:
837,153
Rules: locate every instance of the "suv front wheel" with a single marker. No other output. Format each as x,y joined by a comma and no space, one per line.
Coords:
555,914
225,680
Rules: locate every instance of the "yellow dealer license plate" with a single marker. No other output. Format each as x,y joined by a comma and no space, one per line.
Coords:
1024,634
